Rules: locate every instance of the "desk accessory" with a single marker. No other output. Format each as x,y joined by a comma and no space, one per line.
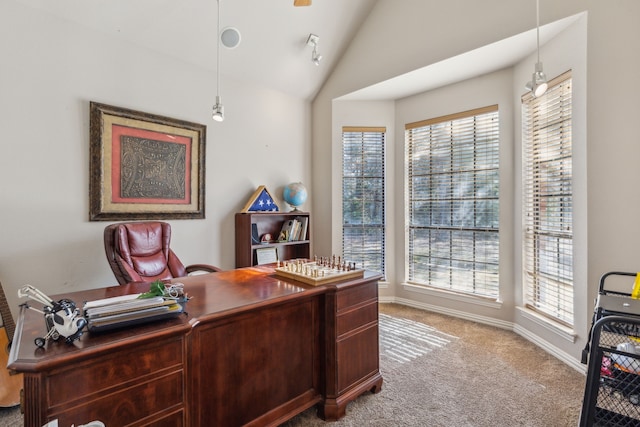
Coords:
61,317
320,271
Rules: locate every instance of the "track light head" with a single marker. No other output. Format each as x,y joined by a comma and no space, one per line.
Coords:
313,40
218,110
538,83
315,58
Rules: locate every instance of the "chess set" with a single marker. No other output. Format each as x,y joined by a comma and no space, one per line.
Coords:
320,271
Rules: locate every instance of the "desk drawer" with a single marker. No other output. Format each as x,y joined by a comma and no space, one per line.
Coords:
113,371
143,404
352,319
356,295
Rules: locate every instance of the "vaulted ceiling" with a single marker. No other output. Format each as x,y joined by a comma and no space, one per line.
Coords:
272,51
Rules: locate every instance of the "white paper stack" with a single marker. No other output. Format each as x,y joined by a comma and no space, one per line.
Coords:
127,310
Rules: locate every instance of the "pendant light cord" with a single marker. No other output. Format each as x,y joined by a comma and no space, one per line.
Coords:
218,52
538,26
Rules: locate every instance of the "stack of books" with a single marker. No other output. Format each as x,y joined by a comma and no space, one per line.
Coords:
295,229
128,310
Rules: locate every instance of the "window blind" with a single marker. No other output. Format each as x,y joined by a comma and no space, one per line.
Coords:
453,201
548,207
363,196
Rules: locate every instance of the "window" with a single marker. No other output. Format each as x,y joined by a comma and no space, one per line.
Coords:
363,219
547,170
453,205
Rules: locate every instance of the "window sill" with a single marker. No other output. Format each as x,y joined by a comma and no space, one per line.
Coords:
561,331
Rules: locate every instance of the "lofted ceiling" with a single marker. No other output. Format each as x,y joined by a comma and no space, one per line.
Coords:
483,60
272,51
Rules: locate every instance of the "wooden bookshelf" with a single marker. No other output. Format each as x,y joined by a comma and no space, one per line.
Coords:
271,223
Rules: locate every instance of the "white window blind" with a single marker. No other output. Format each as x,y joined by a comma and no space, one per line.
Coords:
548,207
363,217
453,201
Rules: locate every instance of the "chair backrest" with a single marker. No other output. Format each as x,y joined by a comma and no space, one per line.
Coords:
140,252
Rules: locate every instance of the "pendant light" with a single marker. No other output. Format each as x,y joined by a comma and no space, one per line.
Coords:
218,108
538,83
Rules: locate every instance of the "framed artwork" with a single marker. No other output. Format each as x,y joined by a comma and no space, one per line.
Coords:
266,255
144,166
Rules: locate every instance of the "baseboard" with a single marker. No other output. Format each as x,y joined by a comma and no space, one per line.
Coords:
455,313
546,346
552,350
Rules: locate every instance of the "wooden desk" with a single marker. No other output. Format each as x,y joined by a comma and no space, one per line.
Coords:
252,350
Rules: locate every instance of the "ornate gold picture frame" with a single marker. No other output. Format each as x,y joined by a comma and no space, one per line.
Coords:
144,166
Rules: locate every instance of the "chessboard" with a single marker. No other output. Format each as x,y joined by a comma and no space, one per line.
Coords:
316,272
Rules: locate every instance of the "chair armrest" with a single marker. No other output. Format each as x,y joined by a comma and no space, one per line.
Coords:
202,267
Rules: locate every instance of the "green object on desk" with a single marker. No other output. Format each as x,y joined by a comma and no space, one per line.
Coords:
155,290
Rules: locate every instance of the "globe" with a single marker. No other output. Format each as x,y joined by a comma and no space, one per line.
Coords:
295,194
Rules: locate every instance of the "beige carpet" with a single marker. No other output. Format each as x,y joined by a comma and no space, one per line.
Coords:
443,371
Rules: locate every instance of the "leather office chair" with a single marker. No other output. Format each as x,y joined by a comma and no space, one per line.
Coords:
140,252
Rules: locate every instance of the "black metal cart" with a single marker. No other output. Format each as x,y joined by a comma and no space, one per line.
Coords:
612,391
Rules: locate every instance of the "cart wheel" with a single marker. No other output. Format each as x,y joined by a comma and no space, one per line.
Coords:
39,342
55,335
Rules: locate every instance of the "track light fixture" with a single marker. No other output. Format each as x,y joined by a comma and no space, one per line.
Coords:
538,83
218,109
315,58
313,41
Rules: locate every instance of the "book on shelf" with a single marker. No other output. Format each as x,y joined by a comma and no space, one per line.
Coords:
304,224
294,229
295,232
287,229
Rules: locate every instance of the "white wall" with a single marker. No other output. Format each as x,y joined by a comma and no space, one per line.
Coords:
50,71
401,37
